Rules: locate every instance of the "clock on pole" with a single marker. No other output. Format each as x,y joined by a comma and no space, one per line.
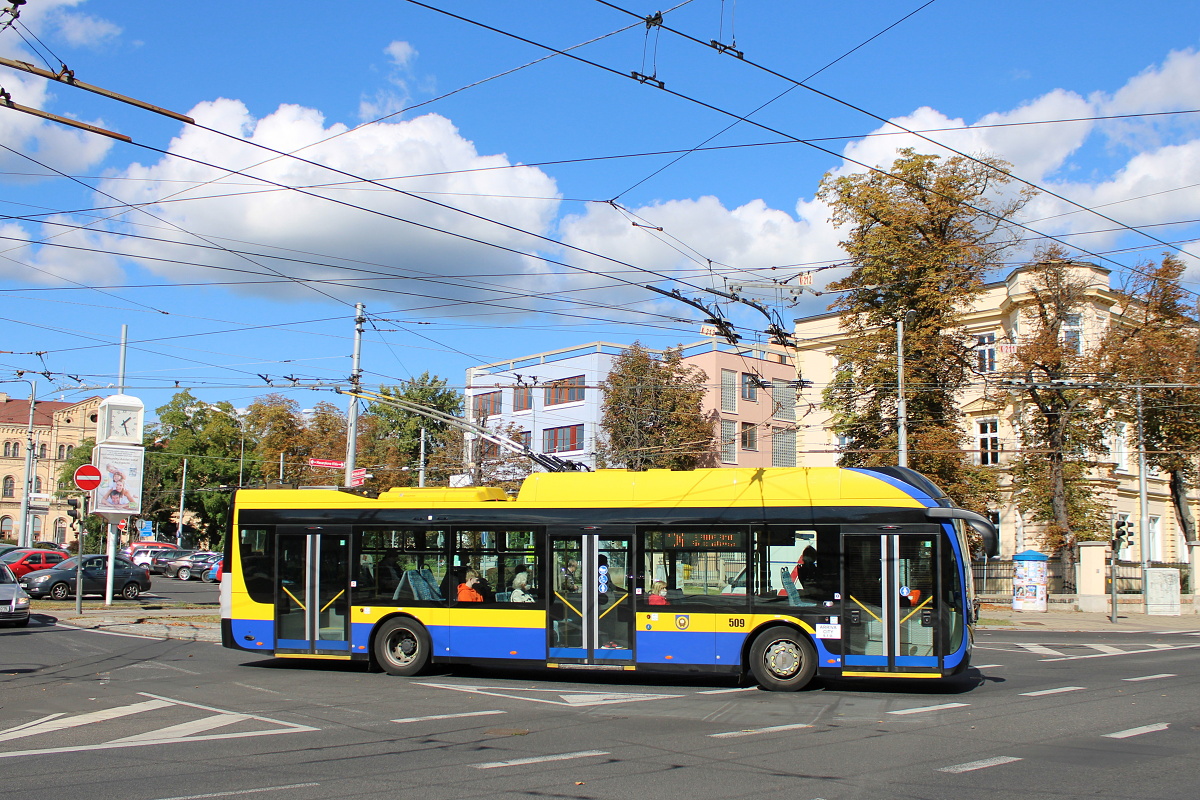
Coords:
120,420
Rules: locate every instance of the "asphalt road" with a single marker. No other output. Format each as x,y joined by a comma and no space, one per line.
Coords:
1046,715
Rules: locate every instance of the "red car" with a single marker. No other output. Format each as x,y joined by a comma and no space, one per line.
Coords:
26,560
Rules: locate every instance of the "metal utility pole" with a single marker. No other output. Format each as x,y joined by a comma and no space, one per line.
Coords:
421,473
1143,505
182,493
901,402
23,536
355,386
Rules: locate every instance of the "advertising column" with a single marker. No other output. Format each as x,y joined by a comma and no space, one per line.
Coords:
1029,581
120,457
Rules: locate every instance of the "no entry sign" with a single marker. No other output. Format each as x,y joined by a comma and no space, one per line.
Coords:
87,477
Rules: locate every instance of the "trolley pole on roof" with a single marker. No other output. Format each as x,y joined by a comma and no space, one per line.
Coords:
356,385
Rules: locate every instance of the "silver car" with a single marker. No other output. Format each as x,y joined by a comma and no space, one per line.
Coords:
14,602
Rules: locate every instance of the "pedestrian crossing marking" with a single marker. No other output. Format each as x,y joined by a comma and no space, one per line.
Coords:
196,730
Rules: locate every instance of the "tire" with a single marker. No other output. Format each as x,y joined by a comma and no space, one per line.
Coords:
22,623
782,659
184,574
60,591
402,647
131,591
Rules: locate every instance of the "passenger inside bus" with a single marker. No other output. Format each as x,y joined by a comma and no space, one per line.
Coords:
520,585
467,593
658,594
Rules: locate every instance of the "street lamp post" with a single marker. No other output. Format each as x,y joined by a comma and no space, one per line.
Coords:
901,402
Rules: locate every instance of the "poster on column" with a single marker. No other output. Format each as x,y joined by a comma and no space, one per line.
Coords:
121,473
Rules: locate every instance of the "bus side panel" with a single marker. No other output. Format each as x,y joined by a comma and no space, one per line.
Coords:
253,634
496,633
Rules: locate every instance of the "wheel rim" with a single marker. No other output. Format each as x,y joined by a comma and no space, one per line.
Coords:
131,591
403,648
59,592
783,658
183,574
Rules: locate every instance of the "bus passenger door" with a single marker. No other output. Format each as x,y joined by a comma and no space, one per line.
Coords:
591,601
891,618
312,600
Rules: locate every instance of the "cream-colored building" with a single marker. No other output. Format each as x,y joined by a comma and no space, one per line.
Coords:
995,322
58,428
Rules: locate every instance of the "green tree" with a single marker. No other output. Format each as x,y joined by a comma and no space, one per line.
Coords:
921,239
275,423
1154,339
390,437
1062,417
652,414
94,527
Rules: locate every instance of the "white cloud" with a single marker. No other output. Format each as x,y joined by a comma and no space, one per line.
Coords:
424,266
402,54
72,256
388,102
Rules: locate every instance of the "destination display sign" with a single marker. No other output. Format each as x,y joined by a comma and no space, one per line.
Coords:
728,539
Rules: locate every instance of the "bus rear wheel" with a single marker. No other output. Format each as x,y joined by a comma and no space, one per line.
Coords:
402,647
782,659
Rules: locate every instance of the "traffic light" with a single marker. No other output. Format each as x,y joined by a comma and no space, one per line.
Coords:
76,510
1122,533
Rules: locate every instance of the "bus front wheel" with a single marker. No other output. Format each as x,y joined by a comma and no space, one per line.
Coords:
402,647
782,659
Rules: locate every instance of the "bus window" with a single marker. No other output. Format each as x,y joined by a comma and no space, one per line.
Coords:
400,566
796,566
254,546
697,566
498,556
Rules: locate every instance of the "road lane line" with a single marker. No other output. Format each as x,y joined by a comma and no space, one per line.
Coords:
1040,649
297,727
183,729
1152,677
50,726
517,762
1059,690
35,722
1106,648
1158,726
450,716
987,666
970,766
755,731
1150,649
923,709
730,691
236,792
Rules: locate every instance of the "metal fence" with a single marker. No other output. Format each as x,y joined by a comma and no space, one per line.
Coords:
995,577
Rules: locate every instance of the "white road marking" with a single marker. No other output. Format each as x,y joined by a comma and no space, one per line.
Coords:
730,691
450,716
1041,649
1152,677
755,731
574,699
236,792
158,665
970,766
37,721
110,633
62,723
1059,690
1106,648
987,666
517,762
923,709
185,728
1154,648
1159,726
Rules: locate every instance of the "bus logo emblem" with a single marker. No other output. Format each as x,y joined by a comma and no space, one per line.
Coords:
682,621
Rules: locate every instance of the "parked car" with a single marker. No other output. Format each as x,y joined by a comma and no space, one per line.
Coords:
214,572
25,560
144,555
160,561
129,581
189,564
8,548
137,547
14,602
193,566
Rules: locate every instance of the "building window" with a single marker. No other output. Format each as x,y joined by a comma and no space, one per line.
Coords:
568,390
62,452
783,395
488,450
6,527
749,387
729,437
729,391
1072,333
10,486
8,449
561,440
42,451
36,524
749,436
522,398
37,484
486,405
783,448
985,352
526,439
60,530
989,441
70,449
1118,447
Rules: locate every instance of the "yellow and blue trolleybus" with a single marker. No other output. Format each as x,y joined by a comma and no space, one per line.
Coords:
780,573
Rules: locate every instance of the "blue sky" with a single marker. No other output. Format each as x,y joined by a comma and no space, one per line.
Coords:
463,256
